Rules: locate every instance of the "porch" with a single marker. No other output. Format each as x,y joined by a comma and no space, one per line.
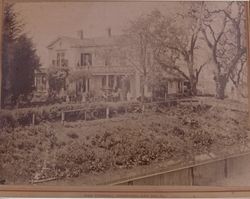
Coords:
103,84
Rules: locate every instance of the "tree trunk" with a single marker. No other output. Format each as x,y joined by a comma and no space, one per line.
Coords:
192,78
193,84
143,94
221,83
143,90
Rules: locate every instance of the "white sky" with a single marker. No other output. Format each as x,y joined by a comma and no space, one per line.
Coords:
45,21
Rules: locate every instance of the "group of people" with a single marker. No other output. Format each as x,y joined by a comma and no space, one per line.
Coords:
116,95
107,95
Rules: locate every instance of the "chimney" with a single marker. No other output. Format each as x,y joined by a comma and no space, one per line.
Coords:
80,34
109,32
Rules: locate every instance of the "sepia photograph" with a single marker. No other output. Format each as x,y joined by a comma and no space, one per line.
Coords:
124,93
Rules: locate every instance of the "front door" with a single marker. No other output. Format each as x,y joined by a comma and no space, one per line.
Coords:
80,86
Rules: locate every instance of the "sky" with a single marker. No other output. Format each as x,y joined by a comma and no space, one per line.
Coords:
45,21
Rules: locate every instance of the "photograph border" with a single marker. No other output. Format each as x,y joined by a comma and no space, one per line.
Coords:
125,191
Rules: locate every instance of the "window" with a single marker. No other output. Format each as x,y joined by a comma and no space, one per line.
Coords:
107,61
111,81
53,62
119,81
60,60
103,81
86,59
107,57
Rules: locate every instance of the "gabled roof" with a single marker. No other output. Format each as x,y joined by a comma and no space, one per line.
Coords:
88,42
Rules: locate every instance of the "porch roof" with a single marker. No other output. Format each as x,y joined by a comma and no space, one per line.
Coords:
114,70
93,71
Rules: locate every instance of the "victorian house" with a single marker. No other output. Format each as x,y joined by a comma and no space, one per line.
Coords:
96,66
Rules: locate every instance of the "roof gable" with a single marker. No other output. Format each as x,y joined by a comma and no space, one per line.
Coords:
64,40
87,42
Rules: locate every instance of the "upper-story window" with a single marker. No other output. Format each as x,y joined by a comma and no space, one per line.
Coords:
111,81
107,61
107,57
60,60
86,59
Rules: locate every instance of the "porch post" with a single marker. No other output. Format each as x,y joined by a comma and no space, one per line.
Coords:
115,82
87,84
107,81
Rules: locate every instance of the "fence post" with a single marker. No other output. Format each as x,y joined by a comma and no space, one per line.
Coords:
63,117
107,112
33,119
192,176
225,168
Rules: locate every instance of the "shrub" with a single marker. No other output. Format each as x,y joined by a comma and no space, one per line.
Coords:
7,120
73,135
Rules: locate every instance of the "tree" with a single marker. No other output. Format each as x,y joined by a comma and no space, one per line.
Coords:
23,65
239,77
224,34
176,43
137,47
19,59
11,30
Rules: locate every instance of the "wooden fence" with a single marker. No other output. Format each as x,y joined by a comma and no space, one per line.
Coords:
109,110
200,174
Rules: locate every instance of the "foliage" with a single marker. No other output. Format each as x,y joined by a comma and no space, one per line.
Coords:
57,81
18,57
137,47
24,64
11,30
77,75
177,43
226,43
38,152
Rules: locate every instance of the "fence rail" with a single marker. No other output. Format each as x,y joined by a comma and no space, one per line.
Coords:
73,112
110,111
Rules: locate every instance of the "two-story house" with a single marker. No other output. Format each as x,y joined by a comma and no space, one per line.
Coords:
97,66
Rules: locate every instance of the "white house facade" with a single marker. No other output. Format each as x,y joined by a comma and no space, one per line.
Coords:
95,66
